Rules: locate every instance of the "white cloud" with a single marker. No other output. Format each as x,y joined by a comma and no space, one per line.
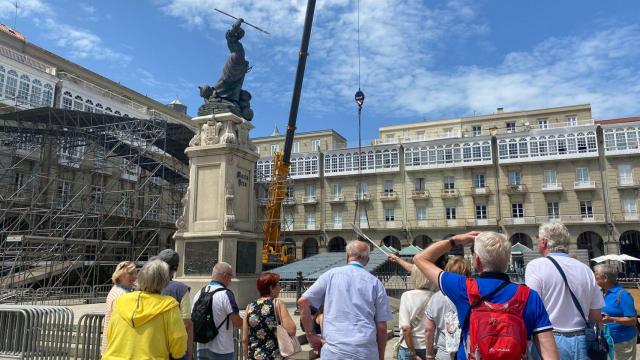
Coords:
82,43
161,90
26,8
88,9
400,41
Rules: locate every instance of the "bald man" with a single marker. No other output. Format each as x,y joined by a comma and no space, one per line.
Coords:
356,310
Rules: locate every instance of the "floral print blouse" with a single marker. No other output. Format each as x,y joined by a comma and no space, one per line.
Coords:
263,344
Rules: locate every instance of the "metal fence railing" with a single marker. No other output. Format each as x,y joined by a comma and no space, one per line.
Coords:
61,295
35,332
89,336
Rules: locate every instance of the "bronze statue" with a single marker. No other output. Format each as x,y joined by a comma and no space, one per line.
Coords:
227,94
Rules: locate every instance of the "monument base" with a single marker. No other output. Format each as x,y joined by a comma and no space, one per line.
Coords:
243,287
219,208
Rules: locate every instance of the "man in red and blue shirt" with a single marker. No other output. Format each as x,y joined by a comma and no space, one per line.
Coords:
490,259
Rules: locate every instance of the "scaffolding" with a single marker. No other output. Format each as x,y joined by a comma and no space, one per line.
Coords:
81,191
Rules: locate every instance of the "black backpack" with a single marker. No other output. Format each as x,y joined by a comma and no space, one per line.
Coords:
204,327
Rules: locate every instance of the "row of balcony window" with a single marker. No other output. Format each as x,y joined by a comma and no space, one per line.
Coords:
466,222
518,216
448,191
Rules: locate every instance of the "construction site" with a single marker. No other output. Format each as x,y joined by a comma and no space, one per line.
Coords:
81,191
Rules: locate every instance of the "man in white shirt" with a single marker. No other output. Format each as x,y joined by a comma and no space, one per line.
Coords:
224,309
356,310
542,276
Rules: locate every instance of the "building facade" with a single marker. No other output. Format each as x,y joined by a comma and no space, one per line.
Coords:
507,172
84,158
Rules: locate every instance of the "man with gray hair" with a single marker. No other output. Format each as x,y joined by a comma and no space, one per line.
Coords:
544,276
224,309
491,258
356,310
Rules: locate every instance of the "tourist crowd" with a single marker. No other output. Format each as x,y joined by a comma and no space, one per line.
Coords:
564,310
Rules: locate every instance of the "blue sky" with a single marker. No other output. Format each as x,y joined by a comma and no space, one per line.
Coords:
420,59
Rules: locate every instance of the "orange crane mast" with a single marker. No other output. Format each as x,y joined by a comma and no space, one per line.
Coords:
274,253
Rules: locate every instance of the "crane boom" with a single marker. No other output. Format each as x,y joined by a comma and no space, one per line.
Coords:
272,251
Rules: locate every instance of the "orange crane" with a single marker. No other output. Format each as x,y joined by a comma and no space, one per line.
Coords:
273,252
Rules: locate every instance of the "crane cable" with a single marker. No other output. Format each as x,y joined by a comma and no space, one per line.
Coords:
359,98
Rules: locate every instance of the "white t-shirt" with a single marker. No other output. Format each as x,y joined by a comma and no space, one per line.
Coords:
543,277
223,303
410,303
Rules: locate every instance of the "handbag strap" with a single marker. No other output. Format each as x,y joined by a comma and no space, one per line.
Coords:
566,283
418,316
275,305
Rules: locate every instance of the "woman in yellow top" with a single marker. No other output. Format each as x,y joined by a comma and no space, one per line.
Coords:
145,324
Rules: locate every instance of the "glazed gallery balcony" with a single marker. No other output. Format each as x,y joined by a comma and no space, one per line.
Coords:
447,154
382,159
546,145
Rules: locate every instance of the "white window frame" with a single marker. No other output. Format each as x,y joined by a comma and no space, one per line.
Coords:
363,217
449,182
295,149
515,177
389,214
315,145
481,211
275,148
310,217
450,213
582,175
571,120
479,181
625,174
517,210
421,213
336,189
337,218
543,124
553,210
388,186
476,130
550,177
586,209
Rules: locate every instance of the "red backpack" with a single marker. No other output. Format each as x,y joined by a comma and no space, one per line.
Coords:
496,331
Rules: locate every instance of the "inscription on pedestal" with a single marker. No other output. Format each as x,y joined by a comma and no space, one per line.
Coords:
246,257
199,257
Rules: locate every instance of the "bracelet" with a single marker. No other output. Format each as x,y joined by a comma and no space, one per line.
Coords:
452,242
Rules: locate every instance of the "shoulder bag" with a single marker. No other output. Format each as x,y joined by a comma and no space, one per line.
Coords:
288,345
597,347
415,320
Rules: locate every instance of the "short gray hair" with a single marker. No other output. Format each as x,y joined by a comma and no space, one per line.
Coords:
221,268
556,234
494,251
607,270
154,276
358,252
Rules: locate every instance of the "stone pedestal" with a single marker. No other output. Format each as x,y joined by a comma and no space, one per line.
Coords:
218,222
